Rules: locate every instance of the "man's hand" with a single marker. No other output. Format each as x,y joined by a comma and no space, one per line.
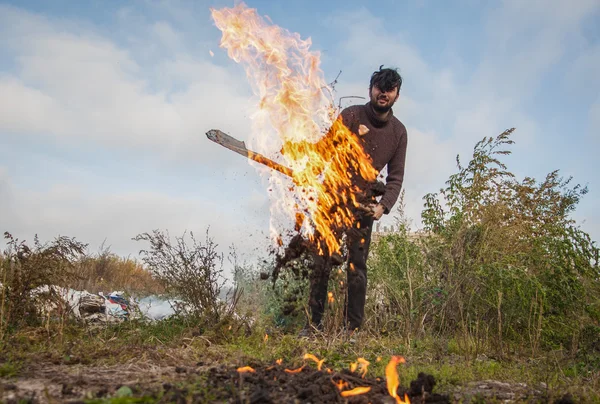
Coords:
378,210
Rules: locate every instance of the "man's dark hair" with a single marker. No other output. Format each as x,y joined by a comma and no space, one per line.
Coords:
386,79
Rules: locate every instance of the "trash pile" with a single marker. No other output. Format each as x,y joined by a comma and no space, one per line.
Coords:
101,308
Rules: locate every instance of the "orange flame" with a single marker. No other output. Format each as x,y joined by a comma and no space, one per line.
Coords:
245,369
294,371
355,391
278,361
340,384
266,337
294,102
330,298
314,358
364,365
392,379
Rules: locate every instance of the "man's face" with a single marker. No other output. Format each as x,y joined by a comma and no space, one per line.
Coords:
383,101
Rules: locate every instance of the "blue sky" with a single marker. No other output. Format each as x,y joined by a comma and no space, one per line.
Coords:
104,106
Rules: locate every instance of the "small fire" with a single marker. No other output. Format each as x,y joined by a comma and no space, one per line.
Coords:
278,361
355,391
340,384
330,298
314,358
266,337
294,104
245,369
364,365
392,379
294,371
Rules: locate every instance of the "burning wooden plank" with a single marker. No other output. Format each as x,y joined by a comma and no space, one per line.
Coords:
239,147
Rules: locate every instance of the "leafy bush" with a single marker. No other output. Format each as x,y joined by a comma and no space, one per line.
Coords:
402,294
191,272
502,259
24,268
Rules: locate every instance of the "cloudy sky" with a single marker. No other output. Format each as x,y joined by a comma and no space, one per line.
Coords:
104,106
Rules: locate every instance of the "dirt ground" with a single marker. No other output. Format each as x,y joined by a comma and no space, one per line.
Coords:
48,383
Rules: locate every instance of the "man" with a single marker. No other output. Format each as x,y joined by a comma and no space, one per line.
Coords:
384,139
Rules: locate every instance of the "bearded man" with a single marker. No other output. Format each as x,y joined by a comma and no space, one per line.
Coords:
384,139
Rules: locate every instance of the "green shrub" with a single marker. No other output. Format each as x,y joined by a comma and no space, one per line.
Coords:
501,260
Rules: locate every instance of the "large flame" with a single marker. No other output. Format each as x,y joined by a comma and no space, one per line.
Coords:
295,105
392,379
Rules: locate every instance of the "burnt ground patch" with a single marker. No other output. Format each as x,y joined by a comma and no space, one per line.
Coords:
220,383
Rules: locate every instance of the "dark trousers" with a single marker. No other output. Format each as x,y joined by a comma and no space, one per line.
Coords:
358,251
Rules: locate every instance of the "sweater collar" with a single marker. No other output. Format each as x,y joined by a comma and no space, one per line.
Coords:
374,119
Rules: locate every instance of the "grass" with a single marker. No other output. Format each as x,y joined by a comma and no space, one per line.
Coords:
174,342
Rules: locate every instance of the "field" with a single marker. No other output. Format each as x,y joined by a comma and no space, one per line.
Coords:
497,299
169,362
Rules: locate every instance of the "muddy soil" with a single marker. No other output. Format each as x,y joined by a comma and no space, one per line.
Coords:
224,384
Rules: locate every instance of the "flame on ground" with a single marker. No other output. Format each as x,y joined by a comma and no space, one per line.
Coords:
355,391
295,103
314,358
392,379
294,371
340,384
364,365
245,369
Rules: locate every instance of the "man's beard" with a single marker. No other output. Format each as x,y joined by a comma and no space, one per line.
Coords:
380,109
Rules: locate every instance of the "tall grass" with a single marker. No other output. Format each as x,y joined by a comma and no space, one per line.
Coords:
106,271
502,262
26,268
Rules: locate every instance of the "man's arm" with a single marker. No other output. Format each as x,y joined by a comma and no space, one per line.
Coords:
395,177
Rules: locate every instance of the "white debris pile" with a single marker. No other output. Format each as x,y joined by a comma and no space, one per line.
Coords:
113,307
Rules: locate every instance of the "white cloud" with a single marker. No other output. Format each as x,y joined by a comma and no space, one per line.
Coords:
594,122
156,90
447,113
77,86
116,217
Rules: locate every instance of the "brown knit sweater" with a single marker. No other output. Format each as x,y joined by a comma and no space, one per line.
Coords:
385,143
